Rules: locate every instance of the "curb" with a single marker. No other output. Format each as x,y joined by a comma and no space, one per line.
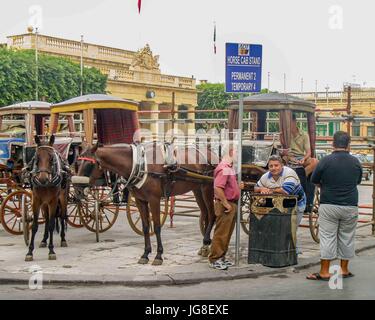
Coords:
166,279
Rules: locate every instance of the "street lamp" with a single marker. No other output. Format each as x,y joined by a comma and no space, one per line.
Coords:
31,29
81,65
327,88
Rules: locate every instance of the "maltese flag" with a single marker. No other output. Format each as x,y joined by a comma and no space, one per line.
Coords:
139,6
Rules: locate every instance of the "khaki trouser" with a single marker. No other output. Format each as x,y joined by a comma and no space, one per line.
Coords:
224,227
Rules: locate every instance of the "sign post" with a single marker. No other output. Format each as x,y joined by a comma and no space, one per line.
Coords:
243,74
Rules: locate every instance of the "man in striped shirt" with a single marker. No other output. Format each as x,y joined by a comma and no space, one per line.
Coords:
282,180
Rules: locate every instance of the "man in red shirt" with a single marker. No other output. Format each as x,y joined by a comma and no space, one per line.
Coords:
227,193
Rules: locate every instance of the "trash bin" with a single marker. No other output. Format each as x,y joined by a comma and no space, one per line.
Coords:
273,226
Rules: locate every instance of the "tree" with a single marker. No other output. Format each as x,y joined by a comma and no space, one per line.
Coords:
211,97
59,78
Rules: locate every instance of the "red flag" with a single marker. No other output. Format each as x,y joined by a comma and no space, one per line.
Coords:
215,39
139,6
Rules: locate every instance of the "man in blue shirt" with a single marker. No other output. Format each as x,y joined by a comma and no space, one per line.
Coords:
283,180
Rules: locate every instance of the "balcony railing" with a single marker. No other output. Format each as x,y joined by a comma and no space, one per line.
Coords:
100,53
335,95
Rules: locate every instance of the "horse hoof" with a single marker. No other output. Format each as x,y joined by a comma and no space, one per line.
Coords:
143,261
157,262
29,258
64,244
43,245
205,251
200,252
52,257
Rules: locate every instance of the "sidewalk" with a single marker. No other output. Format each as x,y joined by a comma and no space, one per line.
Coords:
114,260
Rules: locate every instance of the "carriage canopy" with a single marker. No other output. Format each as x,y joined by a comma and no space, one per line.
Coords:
113,119
27,118
285,105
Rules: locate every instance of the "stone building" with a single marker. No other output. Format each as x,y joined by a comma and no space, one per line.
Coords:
362,105
131,75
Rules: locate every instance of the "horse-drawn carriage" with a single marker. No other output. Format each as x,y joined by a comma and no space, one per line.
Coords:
107,121
259,144
19,123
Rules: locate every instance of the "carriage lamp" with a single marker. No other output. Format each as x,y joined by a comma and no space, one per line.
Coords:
150,94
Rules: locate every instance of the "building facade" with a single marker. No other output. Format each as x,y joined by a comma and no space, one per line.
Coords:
359,103
131,75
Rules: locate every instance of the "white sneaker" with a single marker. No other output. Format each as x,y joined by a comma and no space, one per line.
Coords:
227,262
219,265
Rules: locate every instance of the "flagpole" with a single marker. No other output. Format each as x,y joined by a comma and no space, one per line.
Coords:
215,51
81,65
214,37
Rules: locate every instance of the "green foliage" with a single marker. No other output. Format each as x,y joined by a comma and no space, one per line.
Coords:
59,78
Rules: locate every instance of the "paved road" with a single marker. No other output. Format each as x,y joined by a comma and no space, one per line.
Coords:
281,286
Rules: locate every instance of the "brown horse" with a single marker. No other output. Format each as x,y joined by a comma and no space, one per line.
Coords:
50,194
159,183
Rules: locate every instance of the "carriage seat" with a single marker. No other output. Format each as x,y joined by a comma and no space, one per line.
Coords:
257,152
170,159
62,146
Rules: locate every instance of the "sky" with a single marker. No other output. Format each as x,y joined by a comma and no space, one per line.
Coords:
328,41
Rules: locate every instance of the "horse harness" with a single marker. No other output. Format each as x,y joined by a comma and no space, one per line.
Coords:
139,172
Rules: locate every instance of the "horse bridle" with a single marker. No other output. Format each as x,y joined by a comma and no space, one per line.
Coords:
56,179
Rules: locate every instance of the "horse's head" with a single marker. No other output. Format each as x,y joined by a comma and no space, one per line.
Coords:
88,171
44,162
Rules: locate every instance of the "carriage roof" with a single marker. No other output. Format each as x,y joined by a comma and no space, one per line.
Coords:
274,102
94,102
115,119
28,107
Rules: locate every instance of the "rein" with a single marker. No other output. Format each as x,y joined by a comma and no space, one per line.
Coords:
92,160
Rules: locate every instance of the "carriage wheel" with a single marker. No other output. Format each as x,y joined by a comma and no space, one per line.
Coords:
27,216
245,212
74,218
11,211
314,215
134,217
107,212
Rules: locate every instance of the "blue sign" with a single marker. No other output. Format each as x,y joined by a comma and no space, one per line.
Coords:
243,72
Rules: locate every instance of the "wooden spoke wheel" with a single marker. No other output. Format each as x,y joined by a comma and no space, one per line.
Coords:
98,213
73,215
12,209
134,217
27,216
314,215
245,212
